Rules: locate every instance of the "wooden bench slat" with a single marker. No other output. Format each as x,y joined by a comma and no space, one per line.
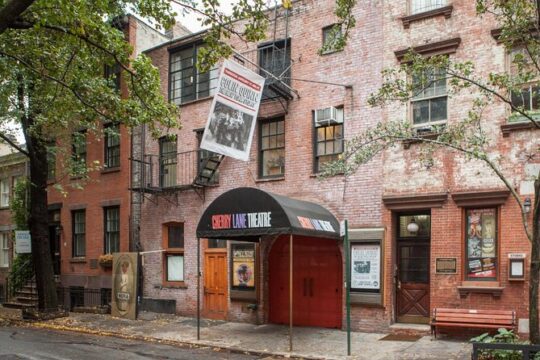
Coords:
473,311
476,321
475,316
474,325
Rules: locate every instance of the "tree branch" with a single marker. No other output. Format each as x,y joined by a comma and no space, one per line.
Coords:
13,144
11,11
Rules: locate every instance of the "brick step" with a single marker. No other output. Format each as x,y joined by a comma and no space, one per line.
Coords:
27,299
17,305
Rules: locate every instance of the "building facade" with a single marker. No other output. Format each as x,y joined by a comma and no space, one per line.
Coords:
89,219
288,149
422,237
13,168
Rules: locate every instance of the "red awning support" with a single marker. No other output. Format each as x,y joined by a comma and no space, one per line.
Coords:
291,252
198,288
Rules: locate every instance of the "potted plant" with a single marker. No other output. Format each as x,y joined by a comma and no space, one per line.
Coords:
106,260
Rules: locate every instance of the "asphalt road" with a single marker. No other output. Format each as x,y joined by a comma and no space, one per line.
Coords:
24,343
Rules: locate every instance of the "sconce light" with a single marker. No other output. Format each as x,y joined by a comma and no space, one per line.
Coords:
413,227
527,205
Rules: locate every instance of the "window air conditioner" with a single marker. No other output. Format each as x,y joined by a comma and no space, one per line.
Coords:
327,116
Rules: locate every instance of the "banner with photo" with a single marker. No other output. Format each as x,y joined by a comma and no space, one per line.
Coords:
366,267
231,122
481,244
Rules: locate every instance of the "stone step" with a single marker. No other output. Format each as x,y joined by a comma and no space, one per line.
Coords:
410,329
27,299
26,293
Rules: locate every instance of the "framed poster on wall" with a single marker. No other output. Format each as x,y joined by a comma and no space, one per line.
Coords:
366,267
243,266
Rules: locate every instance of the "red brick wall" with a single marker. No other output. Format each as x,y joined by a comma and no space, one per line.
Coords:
356,197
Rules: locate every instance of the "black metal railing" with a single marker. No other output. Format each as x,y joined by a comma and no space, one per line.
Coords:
484,351
76,298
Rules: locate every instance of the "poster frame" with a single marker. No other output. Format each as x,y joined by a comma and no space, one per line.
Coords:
367,243
248,293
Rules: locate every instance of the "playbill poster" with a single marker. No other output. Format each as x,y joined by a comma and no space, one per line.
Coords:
231,122
365,263
243,262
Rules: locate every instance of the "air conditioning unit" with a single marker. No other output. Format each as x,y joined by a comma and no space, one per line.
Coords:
327,116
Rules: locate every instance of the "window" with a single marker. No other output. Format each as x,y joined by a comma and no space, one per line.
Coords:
328,141
112,146
4,192
275,58
113,75
4,250
186,82
419,6
272,148
331,34
173,261
527,97
167,161
217,244
79,232
79,152
481,244
51,161
112,229
429,102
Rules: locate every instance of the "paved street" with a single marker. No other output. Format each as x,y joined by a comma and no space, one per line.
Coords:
24,343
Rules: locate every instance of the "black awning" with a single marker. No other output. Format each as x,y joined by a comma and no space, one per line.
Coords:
248,213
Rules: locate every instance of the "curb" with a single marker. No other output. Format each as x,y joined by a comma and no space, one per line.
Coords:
178,343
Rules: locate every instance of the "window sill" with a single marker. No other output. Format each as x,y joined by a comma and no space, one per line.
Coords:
330,52
316,175
4,207
77,260
174,285
446,11
111,170
269,179
195,101
426,135
510,127
480,287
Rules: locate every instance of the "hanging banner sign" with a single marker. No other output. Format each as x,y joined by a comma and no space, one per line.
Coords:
231,122
366,267
124,290
23,242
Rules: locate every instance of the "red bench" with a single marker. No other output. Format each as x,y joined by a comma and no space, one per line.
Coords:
465,318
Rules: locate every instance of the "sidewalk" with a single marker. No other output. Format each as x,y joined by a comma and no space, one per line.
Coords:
263,339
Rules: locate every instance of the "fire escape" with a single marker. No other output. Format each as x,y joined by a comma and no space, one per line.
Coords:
170,172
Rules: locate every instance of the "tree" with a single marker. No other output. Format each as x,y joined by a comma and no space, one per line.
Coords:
519,22
52,54
52,57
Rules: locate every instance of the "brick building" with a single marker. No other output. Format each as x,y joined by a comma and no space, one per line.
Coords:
467,225
287,148
94,220
13,167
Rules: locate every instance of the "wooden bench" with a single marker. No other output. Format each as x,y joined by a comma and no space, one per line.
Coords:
465,318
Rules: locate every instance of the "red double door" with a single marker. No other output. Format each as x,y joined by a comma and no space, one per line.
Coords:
317,282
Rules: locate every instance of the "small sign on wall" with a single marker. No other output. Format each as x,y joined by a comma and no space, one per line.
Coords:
23,242
516,266
445,266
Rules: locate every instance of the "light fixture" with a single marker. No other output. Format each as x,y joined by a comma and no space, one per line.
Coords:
413,227
527,205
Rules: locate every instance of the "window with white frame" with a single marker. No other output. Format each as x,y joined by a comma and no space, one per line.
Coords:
173,242
526,96
420,6
429,98
4,192
328,141
4,250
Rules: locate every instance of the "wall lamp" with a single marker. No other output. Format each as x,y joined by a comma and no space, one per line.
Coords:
413,227
527,205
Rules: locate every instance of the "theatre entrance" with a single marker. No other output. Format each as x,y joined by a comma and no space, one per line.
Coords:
317,282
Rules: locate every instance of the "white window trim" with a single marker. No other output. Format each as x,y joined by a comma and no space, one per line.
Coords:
4,192
4,249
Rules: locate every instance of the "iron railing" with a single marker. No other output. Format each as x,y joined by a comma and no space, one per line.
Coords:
79,298
483,351
168,172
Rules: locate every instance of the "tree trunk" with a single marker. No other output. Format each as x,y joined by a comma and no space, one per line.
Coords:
534,326
39,229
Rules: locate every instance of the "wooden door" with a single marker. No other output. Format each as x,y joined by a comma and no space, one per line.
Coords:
317,279
215,284
413,282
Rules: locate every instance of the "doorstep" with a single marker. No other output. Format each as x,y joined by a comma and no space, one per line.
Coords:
412,329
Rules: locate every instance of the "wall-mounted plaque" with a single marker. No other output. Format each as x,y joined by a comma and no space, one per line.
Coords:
445,266
366,267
